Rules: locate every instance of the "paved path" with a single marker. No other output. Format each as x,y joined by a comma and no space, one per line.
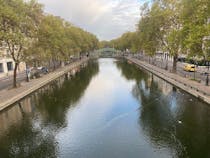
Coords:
9,97
199,90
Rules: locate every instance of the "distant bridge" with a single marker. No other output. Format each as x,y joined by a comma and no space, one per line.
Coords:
107,52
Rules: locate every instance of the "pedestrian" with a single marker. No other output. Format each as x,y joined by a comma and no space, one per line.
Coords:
28,74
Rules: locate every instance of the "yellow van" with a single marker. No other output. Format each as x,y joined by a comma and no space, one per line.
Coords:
189,67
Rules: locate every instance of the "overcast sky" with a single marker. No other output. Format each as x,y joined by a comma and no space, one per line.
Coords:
107,19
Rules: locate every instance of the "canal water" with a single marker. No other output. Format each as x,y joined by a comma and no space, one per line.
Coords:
111,109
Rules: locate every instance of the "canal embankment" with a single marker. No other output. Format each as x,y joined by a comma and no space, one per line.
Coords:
194,88
10,96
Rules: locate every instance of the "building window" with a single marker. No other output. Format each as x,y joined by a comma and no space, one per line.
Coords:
1,67
9,66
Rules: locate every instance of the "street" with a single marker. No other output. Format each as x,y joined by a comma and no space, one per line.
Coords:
7,82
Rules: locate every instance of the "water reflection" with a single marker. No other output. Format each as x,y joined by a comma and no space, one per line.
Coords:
110,109
169,117
56,100
28,129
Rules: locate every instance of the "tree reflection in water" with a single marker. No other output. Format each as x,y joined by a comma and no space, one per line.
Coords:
169,117
33,135
56,101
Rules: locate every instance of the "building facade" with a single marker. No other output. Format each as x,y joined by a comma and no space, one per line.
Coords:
7,64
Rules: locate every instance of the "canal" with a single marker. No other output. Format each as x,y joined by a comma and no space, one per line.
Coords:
111,109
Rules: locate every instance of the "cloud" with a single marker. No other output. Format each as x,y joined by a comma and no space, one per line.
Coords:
107,19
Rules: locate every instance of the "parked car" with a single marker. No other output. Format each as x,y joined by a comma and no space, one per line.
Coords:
37,72
43,69
189,67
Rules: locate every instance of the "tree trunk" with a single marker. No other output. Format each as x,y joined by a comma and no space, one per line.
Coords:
175,63
15,75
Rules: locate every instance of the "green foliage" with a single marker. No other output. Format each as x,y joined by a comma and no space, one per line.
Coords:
18,25
194,16
30,34
60,39
19,21
128,40
173,26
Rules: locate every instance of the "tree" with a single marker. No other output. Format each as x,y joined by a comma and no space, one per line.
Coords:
172,26
160,28
31,35
59,39
18,25
175,26
195,15
148,29
128,40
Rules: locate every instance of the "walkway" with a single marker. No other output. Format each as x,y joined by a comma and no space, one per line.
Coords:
197,89
9,97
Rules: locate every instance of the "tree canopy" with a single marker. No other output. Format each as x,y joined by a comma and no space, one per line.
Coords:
29,33
171,26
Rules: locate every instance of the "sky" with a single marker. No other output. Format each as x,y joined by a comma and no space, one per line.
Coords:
107,19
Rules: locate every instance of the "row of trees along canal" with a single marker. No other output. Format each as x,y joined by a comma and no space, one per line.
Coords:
32,35
173,26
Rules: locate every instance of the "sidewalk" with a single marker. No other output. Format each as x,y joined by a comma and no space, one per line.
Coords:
196,89
9,97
